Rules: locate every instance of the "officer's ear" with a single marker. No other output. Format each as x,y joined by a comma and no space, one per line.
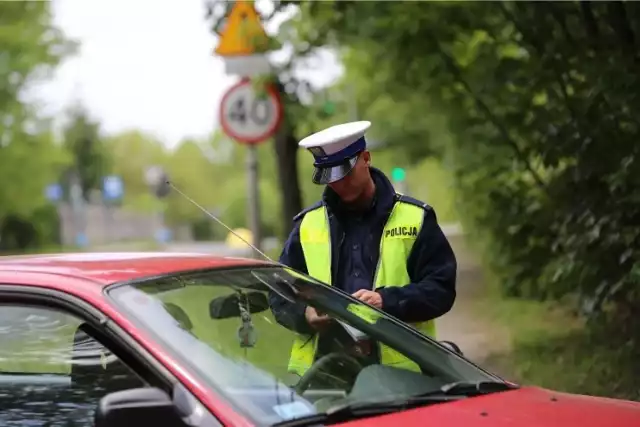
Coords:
366,156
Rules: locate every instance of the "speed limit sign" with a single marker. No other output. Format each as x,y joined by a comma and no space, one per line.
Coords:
248,116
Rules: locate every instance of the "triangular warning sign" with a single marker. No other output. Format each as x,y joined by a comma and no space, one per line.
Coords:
243,33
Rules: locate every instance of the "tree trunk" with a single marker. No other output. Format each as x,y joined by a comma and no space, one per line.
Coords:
286,145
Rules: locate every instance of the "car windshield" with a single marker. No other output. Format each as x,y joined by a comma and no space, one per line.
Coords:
236,328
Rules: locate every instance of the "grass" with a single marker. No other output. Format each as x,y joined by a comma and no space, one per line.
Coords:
273,345
554,349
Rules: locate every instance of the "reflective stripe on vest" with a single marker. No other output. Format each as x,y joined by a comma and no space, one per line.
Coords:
399,234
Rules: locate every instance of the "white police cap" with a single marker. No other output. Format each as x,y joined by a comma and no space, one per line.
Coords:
336,150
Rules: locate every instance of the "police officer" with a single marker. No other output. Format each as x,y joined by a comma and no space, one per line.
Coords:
384,248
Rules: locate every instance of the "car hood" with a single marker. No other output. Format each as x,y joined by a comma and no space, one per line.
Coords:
524,407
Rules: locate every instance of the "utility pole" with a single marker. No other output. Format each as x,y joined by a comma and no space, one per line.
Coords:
254,196
79,210
156,178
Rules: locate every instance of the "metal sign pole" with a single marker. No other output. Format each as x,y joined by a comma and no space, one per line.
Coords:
251,120
106,210
79,211
244,116
254,196
157,180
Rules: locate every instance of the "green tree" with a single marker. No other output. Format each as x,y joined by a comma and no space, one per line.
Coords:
83,140
192,172
130,154
539,101
30,47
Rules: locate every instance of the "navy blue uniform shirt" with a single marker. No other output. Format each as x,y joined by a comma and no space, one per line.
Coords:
355,240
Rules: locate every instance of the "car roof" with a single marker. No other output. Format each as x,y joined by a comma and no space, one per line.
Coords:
105,268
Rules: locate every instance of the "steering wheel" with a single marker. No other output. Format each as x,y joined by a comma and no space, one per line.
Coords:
320,364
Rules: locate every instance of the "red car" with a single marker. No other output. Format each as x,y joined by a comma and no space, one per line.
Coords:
162,339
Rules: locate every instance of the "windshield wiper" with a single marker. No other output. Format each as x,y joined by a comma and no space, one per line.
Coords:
360,409
471,388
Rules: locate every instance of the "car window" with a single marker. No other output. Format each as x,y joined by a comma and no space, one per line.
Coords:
52,372
225,326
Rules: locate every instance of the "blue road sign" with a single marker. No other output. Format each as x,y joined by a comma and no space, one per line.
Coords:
82,240
163,235
112,187
53,192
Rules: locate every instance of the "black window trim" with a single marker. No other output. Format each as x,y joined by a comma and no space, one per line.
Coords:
104,330
101,328
168,275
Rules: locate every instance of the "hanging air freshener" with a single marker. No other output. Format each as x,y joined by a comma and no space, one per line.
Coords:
246,332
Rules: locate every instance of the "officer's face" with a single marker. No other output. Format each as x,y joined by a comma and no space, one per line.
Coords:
351,187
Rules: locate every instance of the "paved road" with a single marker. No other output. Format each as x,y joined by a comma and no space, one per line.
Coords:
465,326
218,248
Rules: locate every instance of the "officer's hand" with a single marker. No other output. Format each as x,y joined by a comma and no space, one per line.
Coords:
370,297
315,320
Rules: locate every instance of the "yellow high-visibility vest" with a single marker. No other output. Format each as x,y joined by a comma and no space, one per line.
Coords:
399,234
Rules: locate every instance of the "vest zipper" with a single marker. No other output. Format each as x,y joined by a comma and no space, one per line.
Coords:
340,243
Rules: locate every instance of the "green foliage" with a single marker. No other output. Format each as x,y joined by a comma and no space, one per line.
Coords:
189,170
29,158
329,108
595,361
428,180
538,101
210,171
83,140
130,153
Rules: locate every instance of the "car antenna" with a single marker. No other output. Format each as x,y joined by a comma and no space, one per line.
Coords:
215,218
219,221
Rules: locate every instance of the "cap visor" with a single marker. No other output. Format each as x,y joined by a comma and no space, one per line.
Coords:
334,173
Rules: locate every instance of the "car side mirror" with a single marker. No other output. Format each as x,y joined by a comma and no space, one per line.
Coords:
138,407
452,346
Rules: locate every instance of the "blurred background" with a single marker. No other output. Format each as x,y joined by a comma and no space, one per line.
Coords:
517,121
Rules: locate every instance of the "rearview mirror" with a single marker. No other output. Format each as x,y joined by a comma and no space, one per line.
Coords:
137,407
227,306
452,346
